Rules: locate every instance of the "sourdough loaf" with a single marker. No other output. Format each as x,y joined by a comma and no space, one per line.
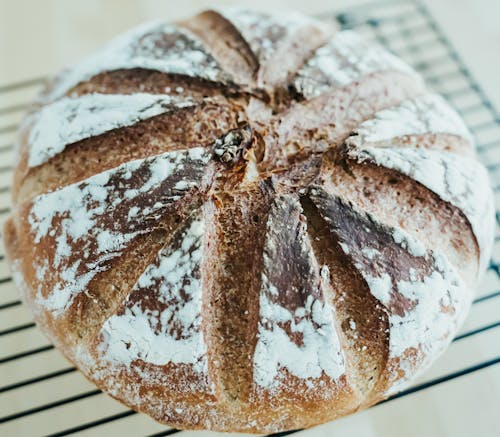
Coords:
247,222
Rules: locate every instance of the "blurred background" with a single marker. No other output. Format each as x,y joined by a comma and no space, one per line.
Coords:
42,394
42,36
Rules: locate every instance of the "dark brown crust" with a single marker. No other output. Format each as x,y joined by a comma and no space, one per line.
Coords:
358,231
369,186
293,267
366,347
226,44
238,232
140,80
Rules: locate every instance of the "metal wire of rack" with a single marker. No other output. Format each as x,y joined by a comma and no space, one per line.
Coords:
42,394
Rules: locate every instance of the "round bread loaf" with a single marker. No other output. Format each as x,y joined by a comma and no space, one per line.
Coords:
247,222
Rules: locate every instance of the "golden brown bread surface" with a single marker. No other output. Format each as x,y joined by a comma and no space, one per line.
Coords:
245,222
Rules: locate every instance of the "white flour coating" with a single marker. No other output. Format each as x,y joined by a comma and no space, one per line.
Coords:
380,286
145,334
73,119
406,241
344,246
409,375
80,206
319,352
424,114
346,58
369,252
459,180
153,46
264,32
430,324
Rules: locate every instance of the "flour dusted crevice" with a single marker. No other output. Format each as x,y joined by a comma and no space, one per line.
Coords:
154,46
346,58
296,332
424,114
91,223
162,324
455,179
178,128
422,294
360,330
423,122
397,200
73,119
279,43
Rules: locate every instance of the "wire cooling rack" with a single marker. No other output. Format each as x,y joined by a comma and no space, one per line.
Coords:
42,394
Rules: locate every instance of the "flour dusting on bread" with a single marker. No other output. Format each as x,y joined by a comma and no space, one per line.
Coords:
69,120
174,333
91,222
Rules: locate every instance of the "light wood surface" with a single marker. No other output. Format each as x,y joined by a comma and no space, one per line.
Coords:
39,37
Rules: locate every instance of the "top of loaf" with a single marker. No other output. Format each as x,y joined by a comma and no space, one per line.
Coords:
255,211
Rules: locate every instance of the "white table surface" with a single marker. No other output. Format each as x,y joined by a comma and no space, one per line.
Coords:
39,37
